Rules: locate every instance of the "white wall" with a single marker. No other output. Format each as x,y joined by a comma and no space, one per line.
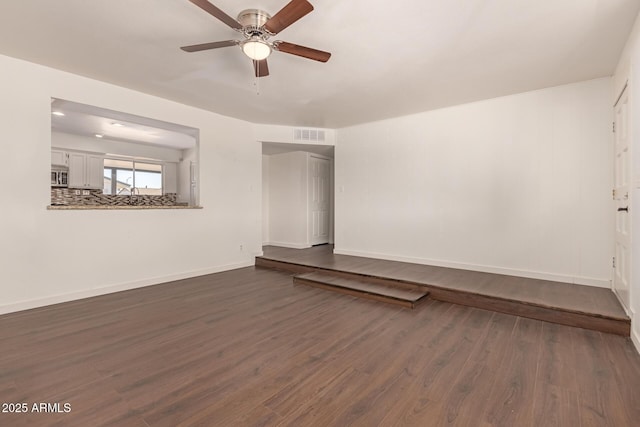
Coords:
265,200
332,214
288,206
628,70
50,256
518,185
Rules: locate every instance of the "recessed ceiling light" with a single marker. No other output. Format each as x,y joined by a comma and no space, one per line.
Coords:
117,124
58,113
99,135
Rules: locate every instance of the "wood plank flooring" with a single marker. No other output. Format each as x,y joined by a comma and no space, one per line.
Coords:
406,296
583,306
248,348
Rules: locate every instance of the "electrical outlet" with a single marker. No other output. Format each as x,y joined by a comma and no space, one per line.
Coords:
77,192
241,248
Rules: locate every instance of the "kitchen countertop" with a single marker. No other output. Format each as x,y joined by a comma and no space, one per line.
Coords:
114,208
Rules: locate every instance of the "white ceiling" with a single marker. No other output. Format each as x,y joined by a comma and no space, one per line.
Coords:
389,58
89,121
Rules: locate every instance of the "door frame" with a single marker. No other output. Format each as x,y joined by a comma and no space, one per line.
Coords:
331,198
625,200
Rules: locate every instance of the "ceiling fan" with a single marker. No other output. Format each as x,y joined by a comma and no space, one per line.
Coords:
257,26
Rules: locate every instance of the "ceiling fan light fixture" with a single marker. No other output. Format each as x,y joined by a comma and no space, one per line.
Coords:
256,49
256,27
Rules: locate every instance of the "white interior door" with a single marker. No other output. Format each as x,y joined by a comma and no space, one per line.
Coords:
319,200
621,195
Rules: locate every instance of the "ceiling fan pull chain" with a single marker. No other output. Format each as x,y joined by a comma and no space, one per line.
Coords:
256,82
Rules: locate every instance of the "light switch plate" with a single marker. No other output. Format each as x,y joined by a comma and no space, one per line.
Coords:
77,192
85,192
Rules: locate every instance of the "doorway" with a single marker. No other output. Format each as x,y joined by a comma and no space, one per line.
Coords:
297,194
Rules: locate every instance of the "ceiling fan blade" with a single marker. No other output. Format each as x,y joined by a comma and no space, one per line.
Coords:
289,14
305,52
211,9
207,46
261,68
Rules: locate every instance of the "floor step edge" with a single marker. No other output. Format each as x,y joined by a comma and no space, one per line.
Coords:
374,294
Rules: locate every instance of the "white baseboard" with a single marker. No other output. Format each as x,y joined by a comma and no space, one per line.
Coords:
287,245
615,292
635,330
57,299
482,268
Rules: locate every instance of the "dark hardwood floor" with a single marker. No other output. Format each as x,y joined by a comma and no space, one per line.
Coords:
569,304
248,348
406,296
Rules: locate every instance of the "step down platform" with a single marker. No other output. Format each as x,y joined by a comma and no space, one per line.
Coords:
562,303
399,294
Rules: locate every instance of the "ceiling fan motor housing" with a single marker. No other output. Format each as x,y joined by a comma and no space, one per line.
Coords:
252,20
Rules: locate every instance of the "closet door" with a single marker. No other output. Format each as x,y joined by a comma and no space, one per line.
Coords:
319,170
621,190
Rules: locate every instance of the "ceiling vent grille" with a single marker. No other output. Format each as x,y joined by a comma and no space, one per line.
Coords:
308,135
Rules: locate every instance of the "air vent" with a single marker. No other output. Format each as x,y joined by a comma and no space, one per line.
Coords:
308,135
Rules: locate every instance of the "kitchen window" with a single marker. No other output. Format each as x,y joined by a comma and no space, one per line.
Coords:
126,177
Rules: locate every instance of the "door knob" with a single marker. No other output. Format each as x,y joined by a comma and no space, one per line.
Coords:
623,209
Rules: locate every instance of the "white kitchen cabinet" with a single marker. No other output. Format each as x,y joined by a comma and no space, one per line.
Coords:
95,171
169,178
86,171
59,158
77,170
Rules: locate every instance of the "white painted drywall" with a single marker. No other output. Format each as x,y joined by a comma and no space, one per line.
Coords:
628,70
332,216
265,200
519,185
288,200
51,256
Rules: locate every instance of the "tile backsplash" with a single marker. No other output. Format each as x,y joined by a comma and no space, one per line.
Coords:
68,197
